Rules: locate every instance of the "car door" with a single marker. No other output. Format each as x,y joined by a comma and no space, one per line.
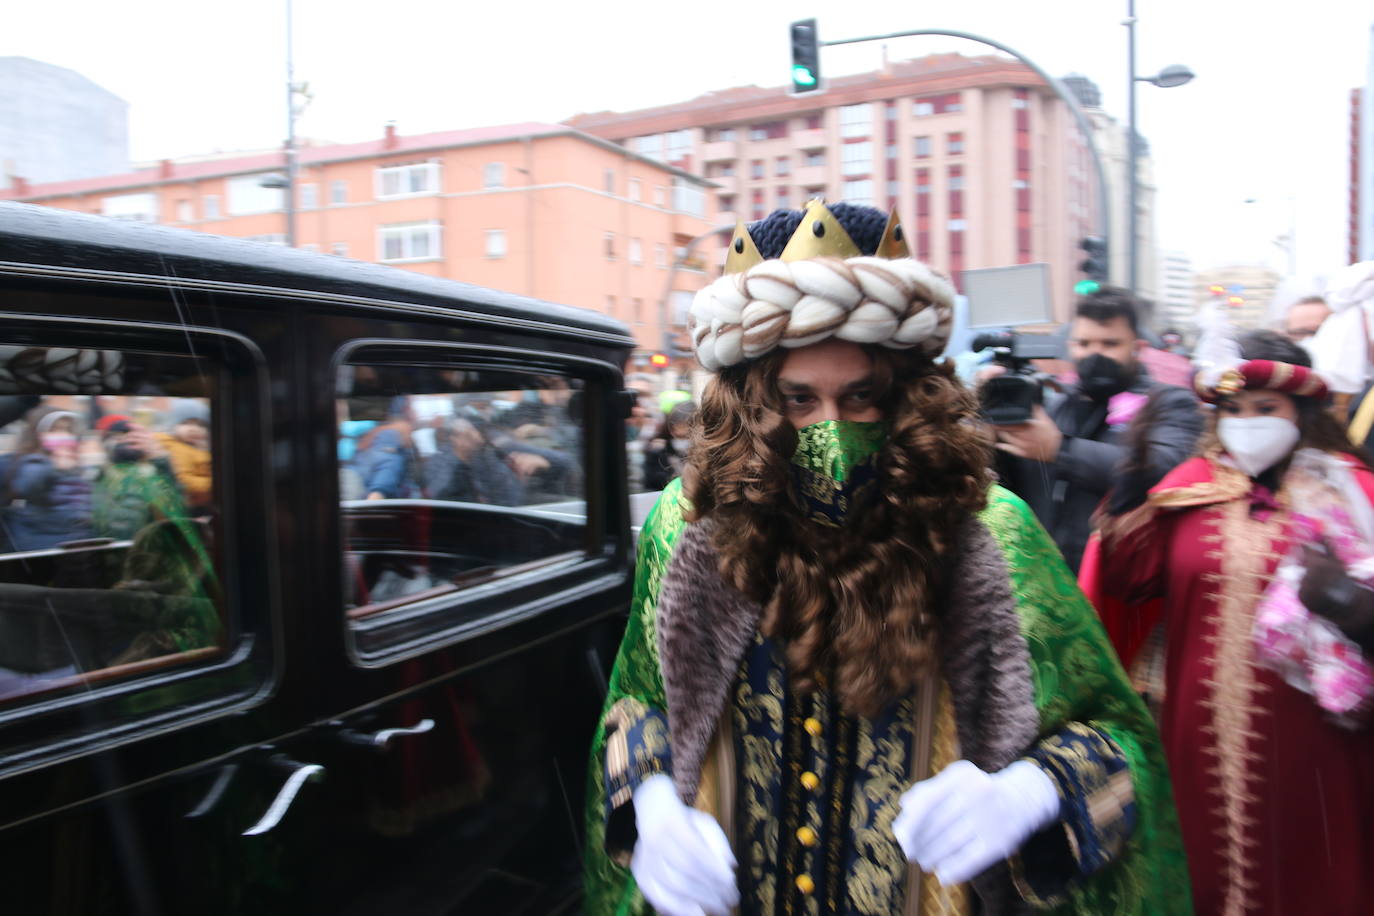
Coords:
471,574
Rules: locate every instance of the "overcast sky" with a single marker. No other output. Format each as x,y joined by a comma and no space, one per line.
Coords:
1267,117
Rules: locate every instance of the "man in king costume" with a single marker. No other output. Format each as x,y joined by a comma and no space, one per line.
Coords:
858,678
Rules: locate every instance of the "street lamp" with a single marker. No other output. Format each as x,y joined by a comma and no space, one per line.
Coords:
1169,77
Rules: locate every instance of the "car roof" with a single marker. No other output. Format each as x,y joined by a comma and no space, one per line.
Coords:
66,242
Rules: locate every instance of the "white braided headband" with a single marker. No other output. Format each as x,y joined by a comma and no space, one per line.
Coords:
898,303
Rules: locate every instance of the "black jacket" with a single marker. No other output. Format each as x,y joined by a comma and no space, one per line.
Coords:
1094,458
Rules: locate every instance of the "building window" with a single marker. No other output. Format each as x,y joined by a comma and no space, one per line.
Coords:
677,144
660,257
954,143
721,135
922,108
856,158
783,167
756,204
268,238
784,197
340,249
956,181
756,169
1018,103
494,175
185,212
815,157
660,195
610,246
894,188
418,241
773,130
921,148
636,252
688,197
858,192
409,180
634,189
496,243
856,120
609,179
724,169
814,122
248,195
309,196
209,206
956,225
892,151
952,104
725,203
637,310
650,146
338,191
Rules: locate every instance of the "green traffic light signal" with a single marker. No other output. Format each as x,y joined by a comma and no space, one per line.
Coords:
1086,287
806,56
801,76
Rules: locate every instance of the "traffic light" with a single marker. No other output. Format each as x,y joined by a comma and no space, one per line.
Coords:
806,56
659,360
1095,264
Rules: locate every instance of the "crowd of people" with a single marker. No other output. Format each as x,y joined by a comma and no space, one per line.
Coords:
478,448
73,475
885,656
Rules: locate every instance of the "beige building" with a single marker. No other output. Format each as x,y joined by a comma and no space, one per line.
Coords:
979,156
538,209
1176,304
1253,286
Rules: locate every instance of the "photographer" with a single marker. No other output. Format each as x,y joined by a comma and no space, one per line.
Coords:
1065,460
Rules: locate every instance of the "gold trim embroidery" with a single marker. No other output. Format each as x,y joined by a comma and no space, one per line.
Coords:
1242,544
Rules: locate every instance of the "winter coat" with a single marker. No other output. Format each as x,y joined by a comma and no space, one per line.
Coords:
1094,457
47,505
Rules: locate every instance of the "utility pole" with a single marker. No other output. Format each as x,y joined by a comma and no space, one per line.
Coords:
290,190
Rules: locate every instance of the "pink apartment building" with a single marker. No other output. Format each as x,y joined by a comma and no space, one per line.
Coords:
539,209
979,156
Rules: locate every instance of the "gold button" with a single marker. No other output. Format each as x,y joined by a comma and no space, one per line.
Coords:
810,781
807,836
813,727
805,884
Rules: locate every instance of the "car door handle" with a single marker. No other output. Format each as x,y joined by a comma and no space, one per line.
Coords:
301,773
380,739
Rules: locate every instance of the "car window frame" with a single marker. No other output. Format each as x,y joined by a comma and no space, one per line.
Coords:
414,628
40,730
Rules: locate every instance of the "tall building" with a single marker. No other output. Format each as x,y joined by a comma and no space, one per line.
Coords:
1252,285
1177,293
979,156
55,125
538,209
1110,136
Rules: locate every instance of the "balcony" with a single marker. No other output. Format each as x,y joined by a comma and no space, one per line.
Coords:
809,139
809,176
719,151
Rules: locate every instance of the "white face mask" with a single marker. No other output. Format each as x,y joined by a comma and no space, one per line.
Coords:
681,445
1256,444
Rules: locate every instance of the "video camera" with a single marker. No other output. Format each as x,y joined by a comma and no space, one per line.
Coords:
1001,297
1010,398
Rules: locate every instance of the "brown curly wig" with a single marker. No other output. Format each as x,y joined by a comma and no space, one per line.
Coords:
856,605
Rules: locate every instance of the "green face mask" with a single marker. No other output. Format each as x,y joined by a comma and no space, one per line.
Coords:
835,467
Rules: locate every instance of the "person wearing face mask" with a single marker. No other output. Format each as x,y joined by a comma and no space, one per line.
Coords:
1274,795
824,699
666,453
44,496
137,484
1073,453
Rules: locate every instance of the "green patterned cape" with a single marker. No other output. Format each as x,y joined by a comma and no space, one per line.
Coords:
1077,678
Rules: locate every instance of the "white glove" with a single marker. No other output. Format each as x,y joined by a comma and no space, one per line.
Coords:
682,861
958,823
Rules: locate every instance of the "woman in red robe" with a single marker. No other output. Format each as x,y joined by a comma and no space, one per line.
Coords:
1275,798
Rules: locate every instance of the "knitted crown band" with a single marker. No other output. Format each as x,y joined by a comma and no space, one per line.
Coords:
819,287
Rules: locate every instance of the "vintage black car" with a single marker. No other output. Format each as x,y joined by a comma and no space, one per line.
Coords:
311,572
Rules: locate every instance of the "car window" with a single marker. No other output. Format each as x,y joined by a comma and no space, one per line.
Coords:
454,478
108,513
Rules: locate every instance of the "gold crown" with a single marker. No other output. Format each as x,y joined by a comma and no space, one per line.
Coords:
818,235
